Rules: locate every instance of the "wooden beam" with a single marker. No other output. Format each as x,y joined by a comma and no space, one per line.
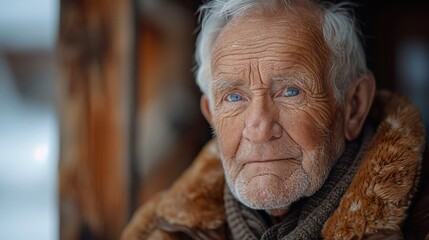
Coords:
94,57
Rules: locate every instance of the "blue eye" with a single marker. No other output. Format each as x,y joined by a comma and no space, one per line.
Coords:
233,97
291,92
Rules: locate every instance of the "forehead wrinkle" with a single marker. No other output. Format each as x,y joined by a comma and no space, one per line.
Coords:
255,74
303,31
274,50
273,43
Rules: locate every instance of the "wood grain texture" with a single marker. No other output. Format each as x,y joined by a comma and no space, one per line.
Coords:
94,71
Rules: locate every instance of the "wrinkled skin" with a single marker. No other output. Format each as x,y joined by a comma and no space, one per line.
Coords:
278,123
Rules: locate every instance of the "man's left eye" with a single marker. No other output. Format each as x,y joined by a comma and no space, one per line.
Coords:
291,92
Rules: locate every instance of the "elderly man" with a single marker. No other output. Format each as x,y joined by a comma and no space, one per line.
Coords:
287,92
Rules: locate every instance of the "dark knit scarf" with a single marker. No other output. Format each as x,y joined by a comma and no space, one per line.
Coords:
306,218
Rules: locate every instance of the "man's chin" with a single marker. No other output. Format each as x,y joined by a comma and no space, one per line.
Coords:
267,192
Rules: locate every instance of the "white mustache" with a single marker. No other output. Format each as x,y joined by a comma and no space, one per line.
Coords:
258,152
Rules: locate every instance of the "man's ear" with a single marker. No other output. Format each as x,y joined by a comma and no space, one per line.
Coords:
205,108
358,102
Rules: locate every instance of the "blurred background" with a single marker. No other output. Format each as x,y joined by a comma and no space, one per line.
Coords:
99,110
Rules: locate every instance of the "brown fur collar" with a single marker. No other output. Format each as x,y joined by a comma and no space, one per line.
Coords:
196,199
381,191
377,198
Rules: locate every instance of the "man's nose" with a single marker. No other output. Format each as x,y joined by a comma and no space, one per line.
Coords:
261,124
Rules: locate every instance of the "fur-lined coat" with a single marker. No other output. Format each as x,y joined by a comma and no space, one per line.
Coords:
387,199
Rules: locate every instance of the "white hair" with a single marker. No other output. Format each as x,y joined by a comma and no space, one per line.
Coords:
339,31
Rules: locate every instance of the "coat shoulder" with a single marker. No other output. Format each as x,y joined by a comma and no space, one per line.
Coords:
193,202
379,198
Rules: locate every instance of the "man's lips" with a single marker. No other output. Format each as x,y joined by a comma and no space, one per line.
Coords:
270,160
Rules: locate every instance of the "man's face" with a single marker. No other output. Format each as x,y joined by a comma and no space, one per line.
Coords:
278,124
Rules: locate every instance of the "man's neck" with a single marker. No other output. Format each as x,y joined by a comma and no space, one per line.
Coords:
278,212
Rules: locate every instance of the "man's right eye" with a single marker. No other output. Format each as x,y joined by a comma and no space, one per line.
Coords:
233,97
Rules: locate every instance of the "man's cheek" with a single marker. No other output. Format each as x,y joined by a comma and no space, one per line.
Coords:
306,132
229,132
226,124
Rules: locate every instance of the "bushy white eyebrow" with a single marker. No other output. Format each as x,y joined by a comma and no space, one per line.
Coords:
221,85
300,80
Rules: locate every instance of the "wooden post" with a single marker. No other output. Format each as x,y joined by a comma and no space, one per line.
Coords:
95,64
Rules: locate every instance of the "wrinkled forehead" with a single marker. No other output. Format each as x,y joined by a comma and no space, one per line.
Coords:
301,24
